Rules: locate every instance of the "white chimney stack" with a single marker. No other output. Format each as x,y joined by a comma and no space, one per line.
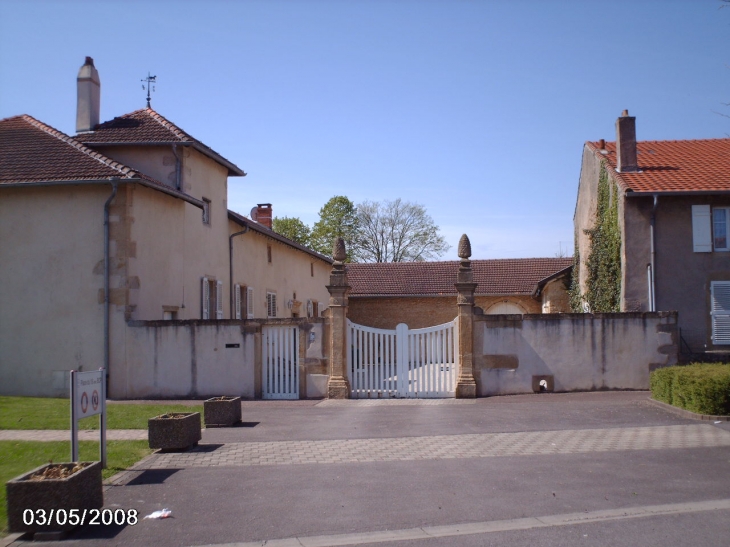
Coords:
88,97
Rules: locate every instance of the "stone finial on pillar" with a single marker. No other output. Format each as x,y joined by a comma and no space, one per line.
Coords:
338,386
466,386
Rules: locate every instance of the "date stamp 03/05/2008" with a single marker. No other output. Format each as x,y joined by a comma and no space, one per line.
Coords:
80,517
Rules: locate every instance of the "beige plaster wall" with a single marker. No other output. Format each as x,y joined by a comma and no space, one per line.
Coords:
289,272
585,209
581,352
188,359
51,259
169,359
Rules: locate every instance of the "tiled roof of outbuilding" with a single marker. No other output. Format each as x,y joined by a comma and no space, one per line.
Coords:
145,126
493,277
674,166
31,151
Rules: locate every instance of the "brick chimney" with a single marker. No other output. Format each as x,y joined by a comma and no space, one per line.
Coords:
626,161
88,89
264,214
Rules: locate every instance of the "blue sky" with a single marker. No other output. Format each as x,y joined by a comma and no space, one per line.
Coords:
477,110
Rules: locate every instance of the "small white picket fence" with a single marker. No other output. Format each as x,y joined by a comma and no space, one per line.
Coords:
383,363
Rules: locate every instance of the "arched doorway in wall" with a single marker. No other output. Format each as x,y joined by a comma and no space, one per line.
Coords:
502,308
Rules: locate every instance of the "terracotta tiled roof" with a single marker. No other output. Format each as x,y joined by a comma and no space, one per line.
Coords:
31,151
498,276
145,126
674,166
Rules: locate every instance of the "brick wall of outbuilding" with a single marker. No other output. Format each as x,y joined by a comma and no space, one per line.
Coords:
422,311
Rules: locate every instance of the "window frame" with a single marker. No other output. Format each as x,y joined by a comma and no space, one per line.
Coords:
727,235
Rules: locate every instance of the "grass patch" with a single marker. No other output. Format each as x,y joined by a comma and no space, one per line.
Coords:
703,388
18,457
47,413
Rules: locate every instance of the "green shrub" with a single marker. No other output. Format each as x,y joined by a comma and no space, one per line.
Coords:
699,387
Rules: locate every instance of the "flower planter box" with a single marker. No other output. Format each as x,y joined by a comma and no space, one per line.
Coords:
222,411
80,491
174,431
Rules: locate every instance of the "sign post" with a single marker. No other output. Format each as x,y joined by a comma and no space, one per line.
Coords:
88,398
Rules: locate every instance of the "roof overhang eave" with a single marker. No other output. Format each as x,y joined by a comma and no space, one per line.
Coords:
198,203
632,194
233,169
238,219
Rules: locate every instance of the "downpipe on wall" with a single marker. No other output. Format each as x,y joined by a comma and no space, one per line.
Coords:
230,271
106,282
652,267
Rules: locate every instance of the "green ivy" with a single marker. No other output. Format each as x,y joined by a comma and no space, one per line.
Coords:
576,298
604,260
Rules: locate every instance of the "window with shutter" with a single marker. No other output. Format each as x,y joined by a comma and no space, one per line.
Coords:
237,300
701,229
720,297
219,300
271,304
310,308
205,301
249,303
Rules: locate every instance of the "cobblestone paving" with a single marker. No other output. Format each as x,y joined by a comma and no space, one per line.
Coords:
442,447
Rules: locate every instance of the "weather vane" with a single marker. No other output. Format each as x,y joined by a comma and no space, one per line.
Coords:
151,80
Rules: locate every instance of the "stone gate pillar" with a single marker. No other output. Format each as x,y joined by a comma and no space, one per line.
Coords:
337,386
466,386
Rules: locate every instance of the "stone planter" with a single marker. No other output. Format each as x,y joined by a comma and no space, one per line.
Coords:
174,431
79,491
222,411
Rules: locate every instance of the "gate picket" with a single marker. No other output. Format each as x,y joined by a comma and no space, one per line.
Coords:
280,362
384,363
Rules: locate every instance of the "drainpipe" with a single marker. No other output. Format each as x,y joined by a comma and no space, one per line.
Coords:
178,167
652,265
106,282
230,270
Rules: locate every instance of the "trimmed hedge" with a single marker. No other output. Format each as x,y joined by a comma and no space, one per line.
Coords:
703,388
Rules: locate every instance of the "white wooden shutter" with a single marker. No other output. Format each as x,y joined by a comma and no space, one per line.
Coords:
720,296
205,303
271,304
219,300
310,308
249,303
237,300
701,228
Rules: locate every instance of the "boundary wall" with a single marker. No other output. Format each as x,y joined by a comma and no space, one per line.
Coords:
571,352
196,358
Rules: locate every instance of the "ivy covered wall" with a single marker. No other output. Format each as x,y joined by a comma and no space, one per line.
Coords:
603,265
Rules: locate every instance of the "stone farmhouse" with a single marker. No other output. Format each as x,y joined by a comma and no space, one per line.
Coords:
128,221
673,211
421,294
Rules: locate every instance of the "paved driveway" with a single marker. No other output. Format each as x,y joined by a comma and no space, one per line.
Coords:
552,469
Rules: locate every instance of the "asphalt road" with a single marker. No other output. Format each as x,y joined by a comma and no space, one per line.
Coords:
569,469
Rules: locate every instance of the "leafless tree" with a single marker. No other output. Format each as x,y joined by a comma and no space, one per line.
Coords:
396,231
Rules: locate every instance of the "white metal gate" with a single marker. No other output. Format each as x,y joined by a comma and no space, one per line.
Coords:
385,363
280,362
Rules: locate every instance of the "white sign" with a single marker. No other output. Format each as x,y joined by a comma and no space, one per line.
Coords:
88,393
88,397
